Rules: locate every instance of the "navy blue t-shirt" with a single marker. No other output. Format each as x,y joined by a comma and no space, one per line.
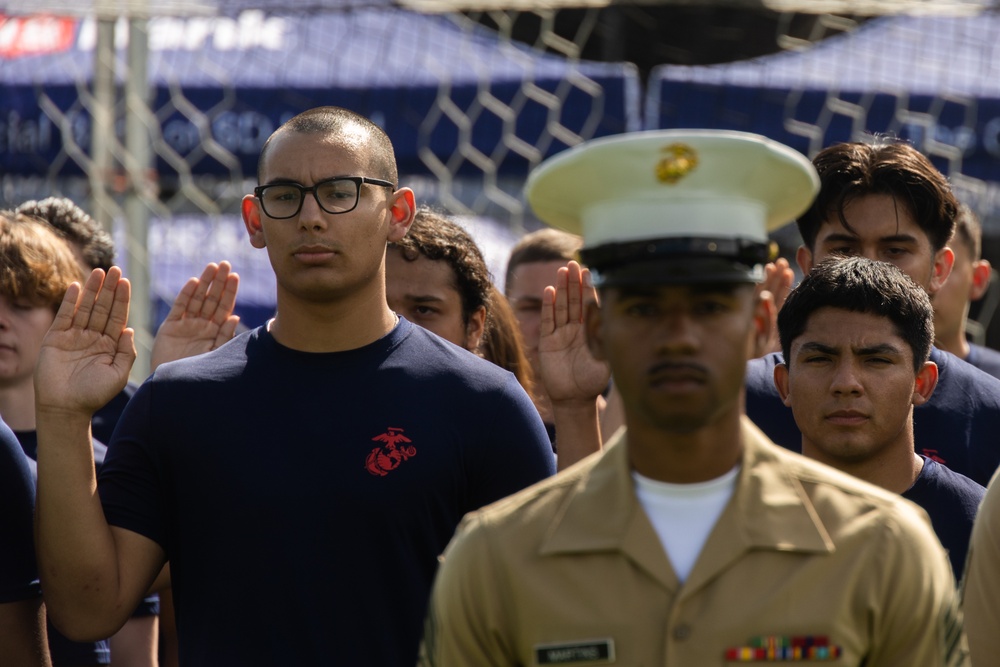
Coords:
985,359
952,501
309,495
18,570
102,424
959,426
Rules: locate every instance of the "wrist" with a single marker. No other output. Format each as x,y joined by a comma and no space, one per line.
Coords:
576,405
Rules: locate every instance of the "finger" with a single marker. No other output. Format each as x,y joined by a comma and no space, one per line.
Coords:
574,293
204,282
85,304
125,351
227,301
548,324
210,308
226,331
118,316
181,301
64,316
105,300
561,309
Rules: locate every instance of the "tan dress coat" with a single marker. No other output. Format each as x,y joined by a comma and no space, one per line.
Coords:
570,571
981,587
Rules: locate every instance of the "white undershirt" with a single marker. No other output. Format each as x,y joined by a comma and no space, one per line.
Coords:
684,514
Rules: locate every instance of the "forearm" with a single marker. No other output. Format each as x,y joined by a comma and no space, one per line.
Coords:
578,433
77,555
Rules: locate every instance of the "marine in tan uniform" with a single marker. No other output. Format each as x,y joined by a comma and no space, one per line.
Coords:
981,587
691,540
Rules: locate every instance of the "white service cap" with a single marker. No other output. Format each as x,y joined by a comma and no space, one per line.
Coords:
680,195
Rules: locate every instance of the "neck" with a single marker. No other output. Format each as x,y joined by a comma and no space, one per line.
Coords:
346,324
685,457
954,342
17,405
894,468
952,338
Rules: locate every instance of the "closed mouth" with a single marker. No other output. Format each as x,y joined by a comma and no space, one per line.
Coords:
670,373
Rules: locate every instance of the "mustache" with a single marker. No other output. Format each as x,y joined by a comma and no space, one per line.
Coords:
684,368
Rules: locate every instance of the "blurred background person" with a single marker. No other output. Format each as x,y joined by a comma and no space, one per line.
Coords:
37,268
201,318
437,278
22,615
532,266
969,281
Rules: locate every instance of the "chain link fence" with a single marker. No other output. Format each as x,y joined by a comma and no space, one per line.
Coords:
151,115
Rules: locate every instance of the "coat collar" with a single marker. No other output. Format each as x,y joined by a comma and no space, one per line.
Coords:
769,510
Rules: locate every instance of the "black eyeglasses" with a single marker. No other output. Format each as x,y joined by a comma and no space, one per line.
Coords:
335,195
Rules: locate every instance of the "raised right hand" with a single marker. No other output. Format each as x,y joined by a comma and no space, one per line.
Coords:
88,352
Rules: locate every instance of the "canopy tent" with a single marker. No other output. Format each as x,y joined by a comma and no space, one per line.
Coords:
932,80
447,93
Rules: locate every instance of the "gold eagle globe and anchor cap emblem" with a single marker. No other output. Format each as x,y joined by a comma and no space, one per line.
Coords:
679,161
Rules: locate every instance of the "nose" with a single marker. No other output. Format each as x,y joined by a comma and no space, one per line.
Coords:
311,216
846,380
678,334
869,253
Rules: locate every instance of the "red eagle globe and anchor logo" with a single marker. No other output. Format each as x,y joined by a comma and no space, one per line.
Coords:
394,450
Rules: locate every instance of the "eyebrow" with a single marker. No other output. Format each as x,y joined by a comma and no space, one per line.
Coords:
423,298
841,237
880,349
292,181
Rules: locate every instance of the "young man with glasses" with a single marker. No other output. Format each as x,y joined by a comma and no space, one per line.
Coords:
338,446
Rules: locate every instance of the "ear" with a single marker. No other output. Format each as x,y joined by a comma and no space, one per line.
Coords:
781,384
475,328
804,258
402,208
250,208
592,322
981,274
927,379
944,261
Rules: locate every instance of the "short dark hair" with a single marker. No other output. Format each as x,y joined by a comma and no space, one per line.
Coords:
330,120
861,285
851,170
969,229
75,226
544,245
434,236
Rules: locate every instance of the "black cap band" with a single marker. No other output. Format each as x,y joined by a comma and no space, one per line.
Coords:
677,260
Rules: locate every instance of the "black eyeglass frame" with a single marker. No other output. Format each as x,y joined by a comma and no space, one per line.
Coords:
258,192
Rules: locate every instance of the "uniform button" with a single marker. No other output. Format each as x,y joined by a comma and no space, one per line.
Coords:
682,632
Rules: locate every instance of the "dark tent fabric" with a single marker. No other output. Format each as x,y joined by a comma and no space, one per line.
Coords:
447,93
930,79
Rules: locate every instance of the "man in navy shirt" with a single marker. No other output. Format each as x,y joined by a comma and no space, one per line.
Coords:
968,282
22,617
886,201
856,335
306,475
